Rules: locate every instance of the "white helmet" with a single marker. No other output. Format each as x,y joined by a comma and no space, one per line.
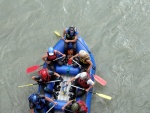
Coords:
82,53
83,75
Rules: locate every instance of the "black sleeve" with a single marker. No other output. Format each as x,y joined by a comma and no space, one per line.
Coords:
51,73
37,77
73,101
41,96
31,105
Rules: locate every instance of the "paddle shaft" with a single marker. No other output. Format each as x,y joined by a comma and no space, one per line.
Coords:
101,95
78,87
28,85
77,63
50,108
54,81
68,110
37,83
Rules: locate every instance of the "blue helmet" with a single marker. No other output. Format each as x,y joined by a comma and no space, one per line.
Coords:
34,98
51,51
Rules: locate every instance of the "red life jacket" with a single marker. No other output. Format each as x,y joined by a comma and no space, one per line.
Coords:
83,107
52,57
83,83
45,78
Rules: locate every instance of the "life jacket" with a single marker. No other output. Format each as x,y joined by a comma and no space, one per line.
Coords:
83,83
40,105
51,57
44,79
69,55
82,106
83,60
69,36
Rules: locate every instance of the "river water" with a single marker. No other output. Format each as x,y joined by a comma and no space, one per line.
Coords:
116,31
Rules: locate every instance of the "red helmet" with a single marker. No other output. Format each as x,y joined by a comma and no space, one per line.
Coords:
43,73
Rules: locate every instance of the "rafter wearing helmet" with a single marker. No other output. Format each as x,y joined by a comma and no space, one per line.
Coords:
70,35
51,55
83,59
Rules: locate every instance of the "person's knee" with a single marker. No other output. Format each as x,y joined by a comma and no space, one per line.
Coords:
52,68
80,93
60,63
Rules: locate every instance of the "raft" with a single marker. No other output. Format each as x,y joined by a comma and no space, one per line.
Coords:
67,72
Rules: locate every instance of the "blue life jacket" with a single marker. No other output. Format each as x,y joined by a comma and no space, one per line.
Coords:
69,35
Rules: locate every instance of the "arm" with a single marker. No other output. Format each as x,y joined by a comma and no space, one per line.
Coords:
36,78
31,105
89,88
60,53
64,32
91,84
56,74
31,110
75,39
44,58
50,100
74,56
89,62
67,104
72,79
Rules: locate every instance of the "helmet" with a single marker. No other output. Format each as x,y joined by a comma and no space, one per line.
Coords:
71,28
82,53
51,51
75,107
34,98
43,73
83,75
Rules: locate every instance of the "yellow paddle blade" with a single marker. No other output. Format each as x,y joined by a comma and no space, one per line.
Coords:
104,96
26,85
57,33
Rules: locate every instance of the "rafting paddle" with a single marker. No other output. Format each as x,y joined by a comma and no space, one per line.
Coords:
101,95
37,83
96,77
35,67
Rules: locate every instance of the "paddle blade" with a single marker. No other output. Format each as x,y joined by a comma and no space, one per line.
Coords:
32,68
100,80
57,33
104,96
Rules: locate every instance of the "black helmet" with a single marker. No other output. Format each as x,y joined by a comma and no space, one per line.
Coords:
72,28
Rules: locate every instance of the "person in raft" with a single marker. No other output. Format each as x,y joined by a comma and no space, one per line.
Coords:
83,59
44,76
69,54
81,80
70,35
39,101
51,56
75,107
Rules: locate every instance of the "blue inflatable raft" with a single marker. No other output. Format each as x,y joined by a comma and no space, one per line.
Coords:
67,72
